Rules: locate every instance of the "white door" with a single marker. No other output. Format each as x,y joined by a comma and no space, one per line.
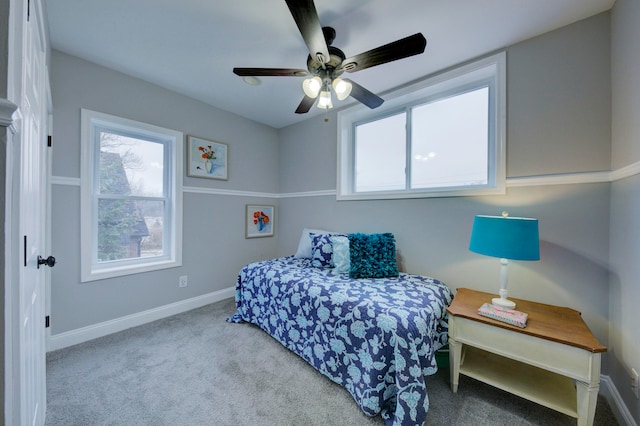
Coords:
32,226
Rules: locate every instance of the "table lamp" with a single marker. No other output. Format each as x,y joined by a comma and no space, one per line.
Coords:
508,238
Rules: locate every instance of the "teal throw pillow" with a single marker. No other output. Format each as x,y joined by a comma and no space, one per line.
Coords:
372,255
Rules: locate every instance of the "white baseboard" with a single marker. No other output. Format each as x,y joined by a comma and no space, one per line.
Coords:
80,335
620,411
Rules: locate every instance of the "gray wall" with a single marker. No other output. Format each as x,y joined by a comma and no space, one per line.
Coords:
559,101
557,123
214,245
624,338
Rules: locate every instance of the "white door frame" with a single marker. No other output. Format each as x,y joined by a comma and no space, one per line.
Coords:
11,118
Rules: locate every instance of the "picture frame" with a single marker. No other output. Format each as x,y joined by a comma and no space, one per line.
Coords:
206,158
260,220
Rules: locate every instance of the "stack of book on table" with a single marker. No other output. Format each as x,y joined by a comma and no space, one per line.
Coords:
510,316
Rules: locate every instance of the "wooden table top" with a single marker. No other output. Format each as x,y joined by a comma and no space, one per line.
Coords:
555,323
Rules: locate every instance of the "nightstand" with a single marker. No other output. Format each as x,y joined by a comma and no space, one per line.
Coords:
554,361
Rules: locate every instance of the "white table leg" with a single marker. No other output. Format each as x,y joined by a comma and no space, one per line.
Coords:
455,354
587,395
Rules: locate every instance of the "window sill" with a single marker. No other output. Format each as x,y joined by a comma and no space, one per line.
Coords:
434,193
119,271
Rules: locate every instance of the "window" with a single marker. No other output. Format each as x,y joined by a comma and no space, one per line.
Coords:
131,195
441,137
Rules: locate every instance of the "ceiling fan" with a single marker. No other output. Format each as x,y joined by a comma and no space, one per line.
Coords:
326,63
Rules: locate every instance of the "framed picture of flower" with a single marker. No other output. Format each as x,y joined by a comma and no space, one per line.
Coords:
206,159
260,221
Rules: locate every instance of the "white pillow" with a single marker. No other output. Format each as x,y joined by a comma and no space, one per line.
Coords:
304,246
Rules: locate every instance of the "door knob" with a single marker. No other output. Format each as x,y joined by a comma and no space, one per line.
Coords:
49,261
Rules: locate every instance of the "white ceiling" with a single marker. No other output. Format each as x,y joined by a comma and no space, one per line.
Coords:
191,46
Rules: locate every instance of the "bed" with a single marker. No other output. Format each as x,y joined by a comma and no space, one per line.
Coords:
376,337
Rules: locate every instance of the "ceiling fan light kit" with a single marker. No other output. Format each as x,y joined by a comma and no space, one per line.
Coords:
342,88
312,86
325,63
324,101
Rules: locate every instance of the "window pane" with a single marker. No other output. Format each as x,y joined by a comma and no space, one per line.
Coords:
450,141
380,153
130,166
153,214
129,229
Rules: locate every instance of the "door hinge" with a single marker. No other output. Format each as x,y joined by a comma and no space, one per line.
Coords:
49,141
28,10
25,250
47,321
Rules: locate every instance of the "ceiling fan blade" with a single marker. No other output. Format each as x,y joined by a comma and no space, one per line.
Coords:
306,17
399,49
364,96
305,105
266,72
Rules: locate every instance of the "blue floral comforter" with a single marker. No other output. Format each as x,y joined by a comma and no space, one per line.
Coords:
375,337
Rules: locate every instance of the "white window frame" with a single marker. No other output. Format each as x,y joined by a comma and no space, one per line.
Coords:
490,70
90,269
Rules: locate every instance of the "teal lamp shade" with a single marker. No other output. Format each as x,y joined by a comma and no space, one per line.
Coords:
509,238
514,238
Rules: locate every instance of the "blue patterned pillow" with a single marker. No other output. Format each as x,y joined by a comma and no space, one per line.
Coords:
304,245
321,250
372,255
341,259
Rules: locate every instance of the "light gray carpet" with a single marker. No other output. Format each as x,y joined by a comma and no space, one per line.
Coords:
196,369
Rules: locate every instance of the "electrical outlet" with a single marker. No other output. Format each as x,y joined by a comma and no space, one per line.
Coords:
182,281
634,382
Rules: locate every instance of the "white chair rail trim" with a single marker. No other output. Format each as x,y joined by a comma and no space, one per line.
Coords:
512,182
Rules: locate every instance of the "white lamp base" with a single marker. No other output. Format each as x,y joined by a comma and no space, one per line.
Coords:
503,302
